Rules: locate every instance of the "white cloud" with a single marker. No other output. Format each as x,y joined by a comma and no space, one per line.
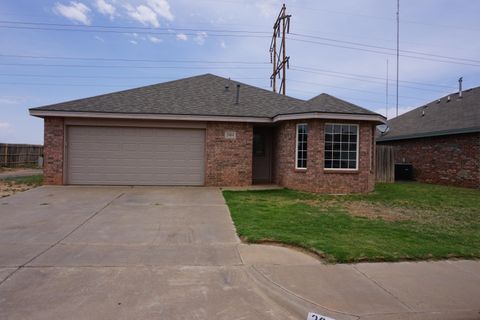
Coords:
269,8
76,11
162,8
133,42
149,13
154,39
144,15
200,37
105,8
5,126
223,45
182,36
99,39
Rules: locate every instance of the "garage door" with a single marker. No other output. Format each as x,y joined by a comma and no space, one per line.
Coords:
135,156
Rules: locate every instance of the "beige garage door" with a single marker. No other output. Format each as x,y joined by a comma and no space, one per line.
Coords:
135,156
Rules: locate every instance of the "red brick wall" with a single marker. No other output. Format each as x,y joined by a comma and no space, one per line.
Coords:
315,178
53,151
448,160
229,161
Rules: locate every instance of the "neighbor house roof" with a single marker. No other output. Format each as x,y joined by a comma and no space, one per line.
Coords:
203,96
447,115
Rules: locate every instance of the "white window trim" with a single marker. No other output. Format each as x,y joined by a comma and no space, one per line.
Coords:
296,146
358,147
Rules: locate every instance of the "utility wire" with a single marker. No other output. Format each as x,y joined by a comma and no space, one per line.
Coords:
374,77
237,33
129,27
383,48
362,80
351,89
121,66
382,52
128,60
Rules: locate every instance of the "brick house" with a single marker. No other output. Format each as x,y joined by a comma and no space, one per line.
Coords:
211,131
440,139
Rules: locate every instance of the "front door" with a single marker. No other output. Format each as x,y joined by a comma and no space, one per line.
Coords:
262,155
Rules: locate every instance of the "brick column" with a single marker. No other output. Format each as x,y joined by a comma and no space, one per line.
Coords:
53,151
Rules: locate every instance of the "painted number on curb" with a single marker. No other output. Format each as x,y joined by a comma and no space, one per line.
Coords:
314,316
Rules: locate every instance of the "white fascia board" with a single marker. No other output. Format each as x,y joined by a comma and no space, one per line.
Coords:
144,116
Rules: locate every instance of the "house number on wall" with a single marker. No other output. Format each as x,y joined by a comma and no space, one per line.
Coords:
232,135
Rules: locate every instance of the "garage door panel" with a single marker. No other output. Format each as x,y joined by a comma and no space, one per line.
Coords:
135,156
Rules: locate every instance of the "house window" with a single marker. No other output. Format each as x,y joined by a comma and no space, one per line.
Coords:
301,150
341,146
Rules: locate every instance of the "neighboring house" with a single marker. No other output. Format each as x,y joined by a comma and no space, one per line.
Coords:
441,140
211,131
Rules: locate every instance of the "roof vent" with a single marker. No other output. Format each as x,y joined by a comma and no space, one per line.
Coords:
448,99
438,101
460,80
423,110
226,88
237,98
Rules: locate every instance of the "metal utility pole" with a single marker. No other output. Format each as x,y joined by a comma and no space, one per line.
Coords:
279,57
398,46
386,94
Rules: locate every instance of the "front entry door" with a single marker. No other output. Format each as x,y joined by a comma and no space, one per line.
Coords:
262,156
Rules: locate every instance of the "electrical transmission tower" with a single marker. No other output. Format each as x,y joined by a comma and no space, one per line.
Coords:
279,57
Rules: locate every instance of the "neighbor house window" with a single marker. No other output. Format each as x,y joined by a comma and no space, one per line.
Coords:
301,150
341,146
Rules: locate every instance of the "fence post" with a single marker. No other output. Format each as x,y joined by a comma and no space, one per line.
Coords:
6,156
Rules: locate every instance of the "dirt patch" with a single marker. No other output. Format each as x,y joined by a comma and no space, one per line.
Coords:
374,211
7,188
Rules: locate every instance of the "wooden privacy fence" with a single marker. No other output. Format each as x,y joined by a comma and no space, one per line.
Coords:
385,170
18,155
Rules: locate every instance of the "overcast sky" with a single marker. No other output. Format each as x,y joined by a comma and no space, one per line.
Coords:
54,51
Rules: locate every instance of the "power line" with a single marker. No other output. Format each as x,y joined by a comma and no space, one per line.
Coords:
247,34
121,66
375,77
383,48
29,75
128,60
362,80
384,53
351,89
128,27
138,32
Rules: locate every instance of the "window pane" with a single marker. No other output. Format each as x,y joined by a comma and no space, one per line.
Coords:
302,137
341,146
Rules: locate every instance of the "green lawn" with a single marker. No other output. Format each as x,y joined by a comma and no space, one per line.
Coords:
35,180
402,221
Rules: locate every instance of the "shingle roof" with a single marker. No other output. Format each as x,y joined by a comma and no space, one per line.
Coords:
203,95
438,117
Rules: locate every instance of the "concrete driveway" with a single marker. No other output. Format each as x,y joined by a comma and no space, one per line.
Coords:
172,253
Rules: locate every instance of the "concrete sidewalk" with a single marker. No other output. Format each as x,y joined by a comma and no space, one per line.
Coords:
404,290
